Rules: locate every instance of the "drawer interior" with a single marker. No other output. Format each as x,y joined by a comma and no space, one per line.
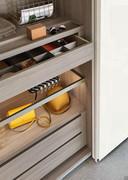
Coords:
69,43
19,63
68,81
11,142
19,42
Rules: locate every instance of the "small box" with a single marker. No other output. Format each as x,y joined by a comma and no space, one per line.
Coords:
36,31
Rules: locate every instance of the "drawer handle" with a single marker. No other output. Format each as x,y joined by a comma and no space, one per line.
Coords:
44,87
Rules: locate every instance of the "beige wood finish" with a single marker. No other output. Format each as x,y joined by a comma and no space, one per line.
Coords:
19,43
73,162
66,79
42,149
53,67
67,83
40,170
12,143
3,9
51,162
58,157
79,12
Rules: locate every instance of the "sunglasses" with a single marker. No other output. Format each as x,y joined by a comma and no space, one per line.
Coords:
56,30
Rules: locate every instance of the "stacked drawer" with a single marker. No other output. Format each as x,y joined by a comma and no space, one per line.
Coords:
48,153
44,65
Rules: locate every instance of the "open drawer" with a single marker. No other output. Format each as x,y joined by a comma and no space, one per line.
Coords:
19,43
45,149
13,142
76,52
69,81
45,166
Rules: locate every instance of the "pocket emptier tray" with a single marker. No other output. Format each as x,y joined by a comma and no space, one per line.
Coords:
19,43
78,51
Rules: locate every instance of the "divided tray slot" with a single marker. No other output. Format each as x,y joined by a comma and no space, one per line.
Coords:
23,61
74,42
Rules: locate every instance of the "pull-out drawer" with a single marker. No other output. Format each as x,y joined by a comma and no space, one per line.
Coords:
45,148
54,160
68,80
77,52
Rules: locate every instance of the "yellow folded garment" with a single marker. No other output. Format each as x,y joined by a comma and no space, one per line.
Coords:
22,120
60,104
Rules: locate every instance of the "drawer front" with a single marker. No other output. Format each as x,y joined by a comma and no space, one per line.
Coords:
41,150
54,160
30,77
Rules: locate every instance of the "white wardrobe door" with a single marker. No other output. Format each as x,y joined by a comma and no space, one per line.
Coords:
113,100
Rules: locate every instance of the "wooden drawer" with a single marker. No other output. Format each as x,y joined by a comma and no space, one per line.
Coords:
69,81
80,53
51,162
44,148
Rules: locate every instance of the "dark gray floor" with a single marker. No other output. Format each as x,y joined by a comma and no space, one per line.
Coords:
114,167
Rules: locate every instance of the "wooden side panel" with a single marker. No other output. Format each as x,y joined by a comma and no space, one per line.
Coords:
3,7
80,11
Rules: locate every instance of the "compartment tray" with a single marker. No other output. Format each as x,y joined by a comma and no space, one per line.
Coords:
46,70
19,43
